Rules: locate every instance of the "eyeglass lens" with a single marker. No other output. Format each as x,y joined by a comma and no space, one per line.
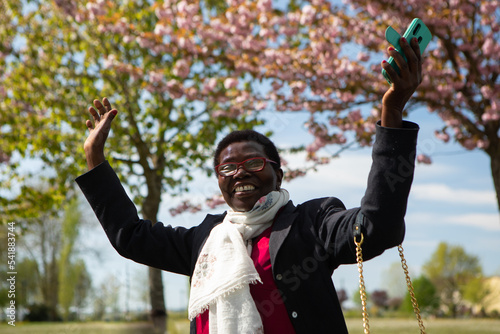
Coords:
251,165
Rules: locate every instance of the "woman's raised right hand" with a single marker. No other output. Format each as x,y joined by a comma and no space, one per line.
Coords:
99,131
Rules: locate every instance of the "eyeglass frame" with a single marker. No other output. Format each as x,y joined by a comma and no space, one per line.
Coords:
238,164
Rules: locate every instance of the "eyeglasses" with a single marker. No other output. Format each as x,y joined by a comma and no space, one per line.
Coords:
250,165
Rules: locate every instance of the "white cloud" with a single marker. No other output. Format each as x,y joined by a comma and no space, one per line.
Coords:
444,193
486,221
478,220
345,178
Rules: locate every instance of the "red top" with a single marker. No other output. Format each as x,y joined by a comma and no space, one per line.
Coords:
266,296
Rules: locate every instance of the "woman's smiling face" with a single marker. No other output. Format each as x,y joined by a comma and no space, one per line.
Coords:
242,190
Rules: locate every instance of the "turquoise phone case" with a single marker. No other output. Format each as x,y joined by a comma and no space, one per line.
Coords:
417,29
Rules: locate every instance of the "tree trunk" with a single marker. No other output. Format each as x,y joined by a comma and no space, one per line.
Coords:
150,208
158,309
495,172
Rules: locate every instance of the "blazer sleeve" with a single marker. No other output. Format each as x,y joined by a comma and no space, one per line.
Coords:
158,246
383,206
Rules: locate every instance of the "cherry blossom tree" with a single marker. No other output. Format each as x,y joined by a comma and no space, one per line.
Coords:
462,64
182,72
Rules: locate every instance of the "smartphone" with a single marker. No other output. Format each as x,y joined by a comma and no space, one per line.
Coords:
416,29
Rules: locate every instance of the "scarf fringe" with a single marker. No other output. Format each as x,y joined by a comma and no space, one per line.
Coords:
199,310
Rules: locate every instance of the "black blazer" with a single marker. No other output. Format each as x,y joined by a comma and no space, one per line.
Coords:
308,242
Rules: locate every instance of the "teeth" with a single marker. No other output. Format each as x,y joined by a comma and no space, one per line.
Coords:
245,188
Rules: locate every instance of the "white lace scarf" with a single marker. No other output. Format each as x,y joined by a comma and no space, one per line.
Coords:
224,269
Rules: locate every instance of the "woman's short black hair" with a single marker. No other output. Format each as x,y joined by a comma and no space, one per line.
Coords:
248,135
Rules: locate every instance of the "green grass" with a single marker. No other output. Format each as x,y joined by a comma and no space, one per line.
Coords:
77,328
178,326
432,326
174,327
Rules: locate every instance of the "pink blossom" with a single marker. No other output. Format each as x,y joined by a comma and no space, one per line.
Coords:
354,116
128,38
110,61
181,68
424,159
482,144
362,56
442,136
188,9
316,145
369,127
144,42
492,113
308,14
489,47
68,7
469,144
260,105
162,30
487,92
230,83
372,9
215,201
495,106
264,5
298,87
4,158
96,8
175,89
220,113
187,44
191,93
165,11
210,85
155,76
245,96
339,139
185,206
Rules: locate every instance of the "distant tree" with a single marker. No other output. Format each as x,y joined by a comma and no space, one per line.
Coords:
50,273
28,284
342,296
426,294
83,286
43,244
477,292
393,280
106,299
73,276
394,303
379,298
450,269
356,297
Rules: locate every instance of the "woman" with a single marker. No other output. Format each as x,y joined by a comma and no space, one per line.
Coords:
265,265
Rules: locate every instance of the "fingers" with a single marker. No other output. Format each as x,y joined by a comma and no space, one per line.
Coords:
106,104
411,67
100,107
89,125
95,115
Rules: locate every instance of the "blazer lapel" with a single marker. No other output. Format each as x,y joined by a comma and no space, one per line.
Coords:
280,229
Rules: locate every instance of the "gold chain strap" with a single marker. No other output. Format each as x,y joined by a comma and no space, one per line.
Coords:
362,288
414,302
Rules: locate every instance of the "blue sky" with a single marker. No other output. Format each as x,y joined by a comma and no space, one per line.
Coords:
452,200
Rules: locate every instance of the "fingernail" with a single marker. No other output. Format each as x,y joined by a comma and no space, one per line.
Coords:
114,112
391,48
384,61
404,40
